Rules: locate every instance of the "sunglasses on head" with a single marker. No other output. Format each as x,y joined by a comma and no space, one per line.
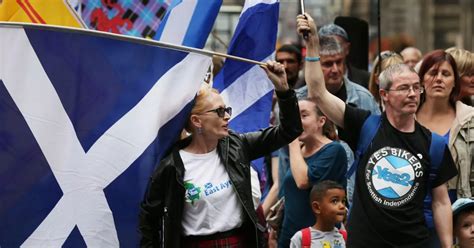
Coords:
387,54
221,111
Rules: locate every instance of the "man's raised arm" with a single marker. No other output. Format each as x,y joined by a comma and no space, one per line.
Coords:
329,104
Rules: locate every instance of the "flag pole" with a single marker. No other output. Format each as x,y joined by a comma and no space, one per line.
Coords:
379,36
305,33
143,41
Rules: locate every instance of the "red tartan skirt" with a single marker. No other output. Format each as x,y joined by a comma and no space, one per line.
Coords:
230,239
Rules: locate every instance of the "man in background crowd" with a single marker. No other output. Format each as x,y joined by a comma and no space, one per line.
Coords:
411,56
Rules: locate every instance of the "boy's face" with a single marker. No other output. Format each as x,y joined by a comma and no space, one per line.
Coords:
331,208
464,229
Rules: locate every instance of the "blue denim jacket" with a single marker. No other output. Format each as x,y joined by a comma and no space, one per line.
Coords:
361,97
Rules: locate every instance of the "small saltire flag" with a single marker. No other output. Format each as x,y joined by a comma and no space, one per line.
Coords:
84,120
245,86
53,12
176,21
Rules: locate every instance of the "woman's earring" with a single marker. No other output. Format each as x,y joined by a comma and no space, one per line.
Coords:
199,130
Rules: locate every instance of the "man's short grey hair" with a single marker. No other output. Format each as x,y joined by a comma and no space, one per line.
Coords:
329,46
333,29
387,75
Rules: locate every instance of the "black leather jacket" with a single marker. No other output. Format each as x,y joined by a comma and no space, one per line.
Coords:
162,209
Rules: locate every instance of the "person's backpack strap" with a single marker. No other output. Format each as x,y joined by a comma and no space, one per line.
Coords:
344,234
306,237
436,157
436,154
367,133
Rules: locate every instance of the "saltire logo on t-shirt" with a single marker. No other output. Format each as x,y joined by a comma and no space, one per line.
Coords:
393,176
195,193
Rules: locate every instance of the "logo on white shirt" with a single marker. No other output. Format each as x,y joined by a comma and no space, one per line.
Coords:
193,193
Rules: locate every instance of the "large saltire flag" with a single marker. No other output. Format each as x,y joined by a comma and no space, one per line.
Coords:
174,21
84,119
52,12
245,86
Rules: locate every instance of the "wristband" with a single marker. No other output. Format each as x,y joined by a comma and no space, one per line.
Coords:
312,59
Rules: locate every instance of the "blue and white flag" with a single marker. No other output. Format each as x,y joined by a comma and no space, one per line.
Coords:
84,119
245,86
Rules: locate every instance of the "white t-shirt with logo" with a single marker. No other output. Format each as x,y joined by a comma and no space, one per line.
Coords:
211,204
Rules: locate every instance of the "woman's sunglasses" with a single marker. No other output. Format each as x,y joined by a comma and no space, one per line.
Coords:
221,111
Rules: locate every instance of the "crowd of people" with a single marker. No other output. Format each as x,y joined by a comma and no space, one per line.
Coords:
358,159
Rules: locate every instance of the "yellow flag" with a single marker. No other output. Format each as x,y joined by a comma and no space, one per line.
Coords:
54,12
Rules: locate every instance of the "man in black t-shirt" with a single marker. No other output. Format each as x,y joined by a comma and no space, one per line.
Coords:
392,177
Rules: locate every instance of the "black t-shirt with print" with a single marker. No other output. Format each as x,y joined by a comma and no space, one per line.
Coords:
391,184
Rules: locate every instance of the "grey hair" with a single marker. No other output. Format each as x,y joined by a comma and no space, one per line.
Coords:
333,29
329,46
387,75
